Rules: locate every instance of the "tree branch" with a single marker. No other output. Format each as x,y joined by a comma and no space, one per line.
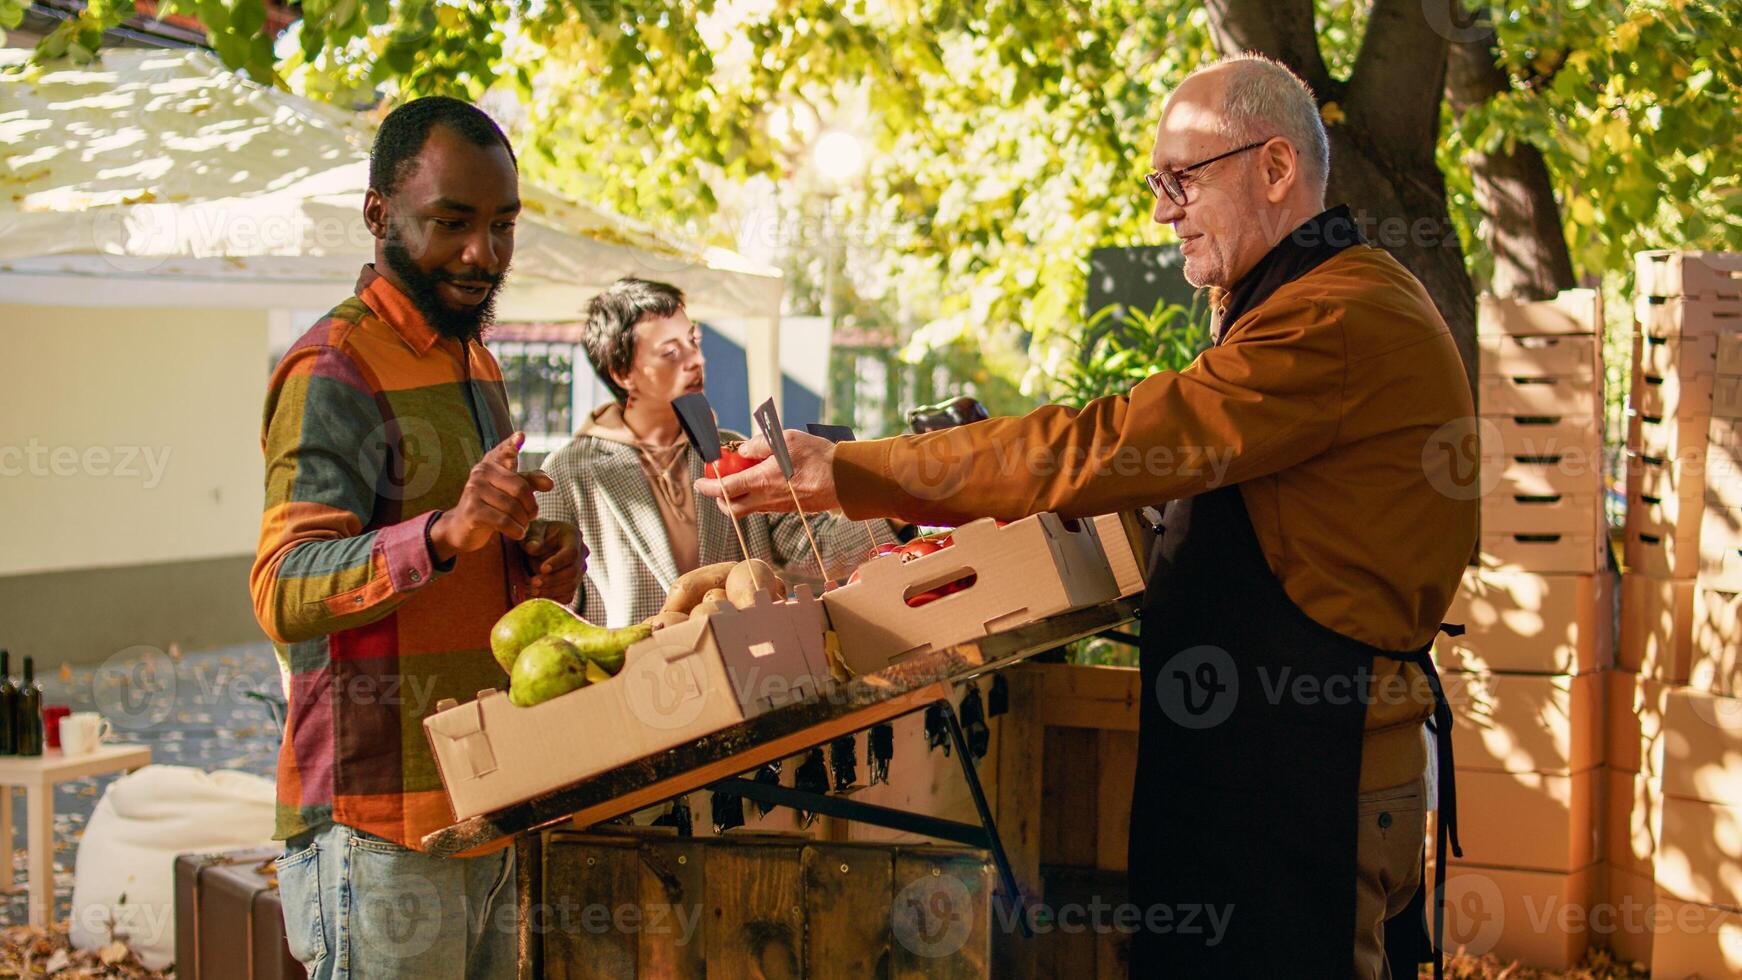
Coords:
1282,29
1523,231
1400,72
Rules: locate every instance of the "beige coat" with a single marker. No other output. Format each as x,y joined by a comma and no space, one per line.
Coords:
602,489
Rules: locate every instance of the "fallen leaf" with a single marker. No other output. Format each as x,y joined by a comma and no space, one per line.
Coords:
59,961
113,953
1332,113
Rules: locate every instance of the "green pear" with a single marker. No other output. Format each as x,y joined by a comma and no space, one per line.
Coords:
596,673
607,647
548,667
529,621
537,618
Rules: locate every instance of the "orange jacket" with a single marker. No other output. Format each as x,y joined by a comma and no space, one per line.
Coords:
1323,403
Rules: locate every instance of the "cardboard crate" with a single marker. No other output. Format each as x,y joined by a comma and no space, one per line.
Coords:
1548,395
1626,927
1671,516
1543,552
1722,481
1570,513
1657,623
1568,355
1024,572
1651,552
1542,723
1533,820
1677,316
1529,621
1572,311
684,682
1634,731
1715,651
1727,397
1537,435
1693,940
1667,352
1632,820
1668,438
1572,472
1702,275
1688,397
1699,852
1721,547
1701,747
1540,919
1127,540
1729,350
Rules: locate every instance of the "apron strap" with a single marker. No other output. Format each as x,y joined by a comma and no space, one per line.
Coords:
1446,824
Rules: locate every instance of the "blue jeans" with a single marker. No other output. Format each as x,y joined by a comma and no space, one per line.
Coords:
357,907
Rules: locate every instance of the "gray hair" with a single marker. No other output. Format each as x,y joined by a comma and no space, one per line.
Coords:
1264,99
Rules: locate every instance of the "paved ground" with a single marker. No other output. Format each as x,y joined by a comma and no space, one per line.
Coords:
192,709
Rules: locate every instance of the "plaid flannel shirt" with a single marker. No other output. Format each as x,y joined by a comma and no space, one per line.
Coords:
373,422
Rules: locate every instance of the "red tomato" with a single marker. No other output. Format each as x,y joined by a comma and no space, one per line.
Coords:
730,463
886,549
853,577
919,548
925,597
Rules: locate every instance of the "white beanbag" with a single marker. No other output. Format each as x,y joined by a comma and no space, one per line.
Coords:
143,821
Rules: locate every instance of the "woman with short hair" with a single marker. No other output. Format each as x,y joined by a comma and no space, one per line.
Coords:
627,478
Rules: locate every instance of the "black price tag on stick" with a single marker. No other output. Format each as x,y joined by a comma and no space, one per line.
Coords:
697,418
833,433
768,420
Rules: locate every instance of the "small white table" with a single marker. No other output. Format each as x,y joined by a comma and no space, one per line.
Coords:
38,776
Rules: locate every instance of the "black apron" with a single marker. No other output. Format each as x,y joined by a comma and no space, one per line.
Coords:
1243,819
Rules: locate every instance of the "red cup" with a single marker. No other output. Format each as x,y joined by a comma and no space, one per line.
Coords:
51,717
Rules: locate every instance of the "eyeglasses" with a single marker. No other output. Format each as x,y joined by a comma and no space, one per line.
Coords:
1168,181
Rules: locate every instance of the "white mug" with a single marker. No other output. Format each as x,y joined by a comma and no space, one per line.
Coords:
81,731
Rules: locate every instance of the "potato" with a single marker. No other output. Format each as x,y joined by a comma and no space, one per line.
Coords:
715,597
661,620
694,584
750,577
709,606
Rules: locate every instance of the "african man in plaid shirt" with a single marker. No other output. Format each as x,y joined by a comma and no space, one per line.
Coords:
396,531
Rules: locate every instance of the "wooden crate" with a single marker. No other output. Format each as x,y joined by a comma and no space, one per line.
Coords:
1716,649
1542,919
1677,316
1070,743
622,905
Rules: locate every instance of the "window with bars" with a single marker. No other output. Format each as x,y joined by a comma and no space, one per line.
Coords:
540,379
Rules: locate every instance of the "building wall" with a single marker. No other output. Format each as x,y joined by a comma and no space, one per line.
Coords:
130,477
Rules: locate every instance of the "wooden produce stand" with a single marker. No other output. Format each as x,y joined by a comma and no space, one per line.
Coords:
715,761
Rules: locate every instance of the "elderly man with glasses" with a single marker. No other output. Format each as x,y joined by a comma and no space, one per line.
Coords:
1317,525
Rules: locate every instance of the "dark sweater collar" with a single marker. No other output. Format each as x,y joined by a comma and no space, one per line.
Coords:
1303,250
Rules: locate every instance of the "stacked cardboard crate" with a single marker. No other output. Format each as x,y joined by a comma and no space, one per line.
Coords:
1541,402
1525,680
1673,861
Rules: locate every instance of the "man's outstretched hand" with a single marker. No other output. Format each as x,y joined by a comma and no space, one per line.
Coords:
762,488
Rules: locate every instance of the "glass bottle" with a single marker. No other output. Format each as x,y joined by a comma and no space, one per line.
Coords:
8,706
29,714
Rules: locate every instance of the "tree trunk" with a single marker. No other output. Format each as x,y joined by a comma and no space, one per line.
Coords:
1523,230
1382,149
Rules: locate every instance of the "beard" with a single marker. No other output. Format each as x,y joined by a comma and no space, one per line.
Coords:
462,324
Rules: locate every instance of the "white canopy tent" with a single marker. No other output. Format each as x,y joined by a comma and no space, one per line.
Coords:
159,179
